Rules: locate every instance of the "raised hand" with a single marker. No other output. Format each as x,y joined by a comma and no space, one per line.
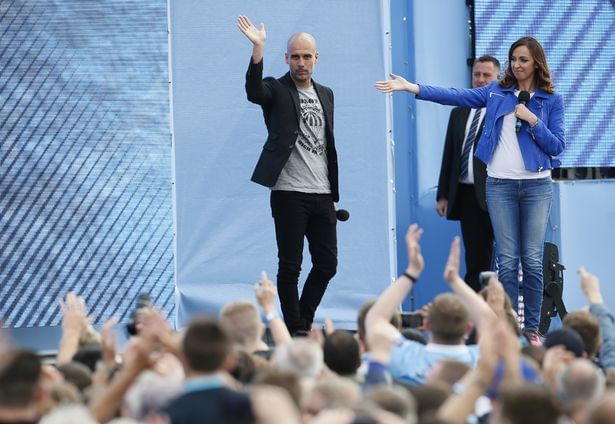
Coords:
416,263
398,83
73,314
451,270
265,293
496,296
256,36
74,323
109,341
590,286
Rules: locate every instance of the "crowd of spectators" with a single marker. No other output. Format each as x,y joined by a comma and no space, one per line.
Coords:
467,363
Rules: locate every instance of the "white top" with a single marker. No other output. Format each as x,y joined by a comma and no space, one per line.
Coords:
507,161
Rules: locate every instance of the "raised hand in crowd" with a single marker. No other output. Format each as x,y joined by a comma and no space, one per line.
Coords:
109,342
266,296
480,312
555,360
590,286
319,333
74,323
496,296
416,263
498,345
140,354
151,324
379,331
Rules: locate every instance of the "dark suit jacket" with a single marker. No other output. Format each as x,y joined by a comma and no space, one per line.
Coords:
280,103
451,163
215,406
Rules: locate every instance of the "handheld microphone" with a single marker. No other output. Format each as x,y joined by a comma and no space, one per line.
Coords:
524,97
342,215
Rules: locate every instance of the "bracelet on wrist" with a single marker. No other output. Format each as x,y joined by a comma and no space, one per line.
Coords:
271,316
410,277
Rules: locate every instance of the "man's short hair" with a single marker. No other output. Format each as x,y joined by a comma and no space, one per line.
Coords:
242,322
299,356
448,318
395,319
19,379
588,328
285,380
394,399
487,58
429,397
529,404
580,384
205,345
341,353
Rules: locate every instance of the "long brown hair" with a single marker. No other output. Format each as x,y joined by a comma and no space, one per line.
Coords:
542,76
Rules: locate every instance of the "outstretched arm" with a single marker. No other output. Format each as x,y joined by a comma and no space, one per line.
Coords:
256,35
398,83
380,332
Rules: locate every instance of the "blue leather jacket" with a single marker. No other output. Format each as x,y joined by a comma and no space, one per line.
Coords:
539,145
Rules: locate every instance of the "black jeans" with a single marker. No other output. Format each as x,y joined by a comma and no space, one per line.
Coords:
298,216
477,235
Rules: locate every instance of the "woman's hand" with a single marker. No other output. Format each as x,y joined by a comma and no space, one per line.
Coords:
523,113
398,83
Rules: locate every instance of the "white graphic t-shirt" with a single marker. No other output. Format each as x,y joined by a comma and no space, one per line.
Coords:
306,169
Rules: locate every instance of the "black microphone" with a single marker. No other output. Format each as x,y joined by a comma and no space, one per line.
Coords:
342,215
524,97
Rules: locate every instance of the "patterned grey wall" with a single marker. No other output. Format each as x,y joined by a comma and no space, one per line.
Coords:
85,157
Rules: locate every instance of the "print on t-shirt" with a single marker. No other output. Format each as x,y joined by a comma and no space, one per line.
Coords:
311,137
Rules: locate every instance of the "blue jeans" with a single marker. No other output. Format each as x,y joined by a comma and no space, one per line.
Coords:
519,211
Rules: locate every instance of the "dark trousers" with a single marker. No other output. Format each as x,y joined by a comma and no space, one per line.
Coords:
298,216
477,235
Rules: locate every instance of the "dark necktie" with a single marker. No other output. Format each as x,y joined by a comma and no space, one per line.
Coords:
467,146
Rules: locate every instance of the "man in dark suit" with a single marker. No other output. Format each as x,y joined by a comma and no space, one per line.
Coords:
461,187
299,163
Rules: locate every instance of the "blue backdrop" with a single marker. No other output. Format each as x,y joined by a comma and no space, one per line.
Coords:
225,234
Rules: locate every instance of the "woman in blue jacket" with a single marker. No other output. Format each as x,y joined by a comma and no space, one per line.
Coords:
519,143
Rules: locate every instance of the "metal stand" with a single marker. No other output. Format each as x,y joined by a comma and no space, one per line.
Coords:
553,280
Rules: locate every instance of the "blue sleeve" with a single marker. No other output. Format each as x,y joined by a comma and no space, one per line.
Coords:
607,327
466,97
377,375
550,136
